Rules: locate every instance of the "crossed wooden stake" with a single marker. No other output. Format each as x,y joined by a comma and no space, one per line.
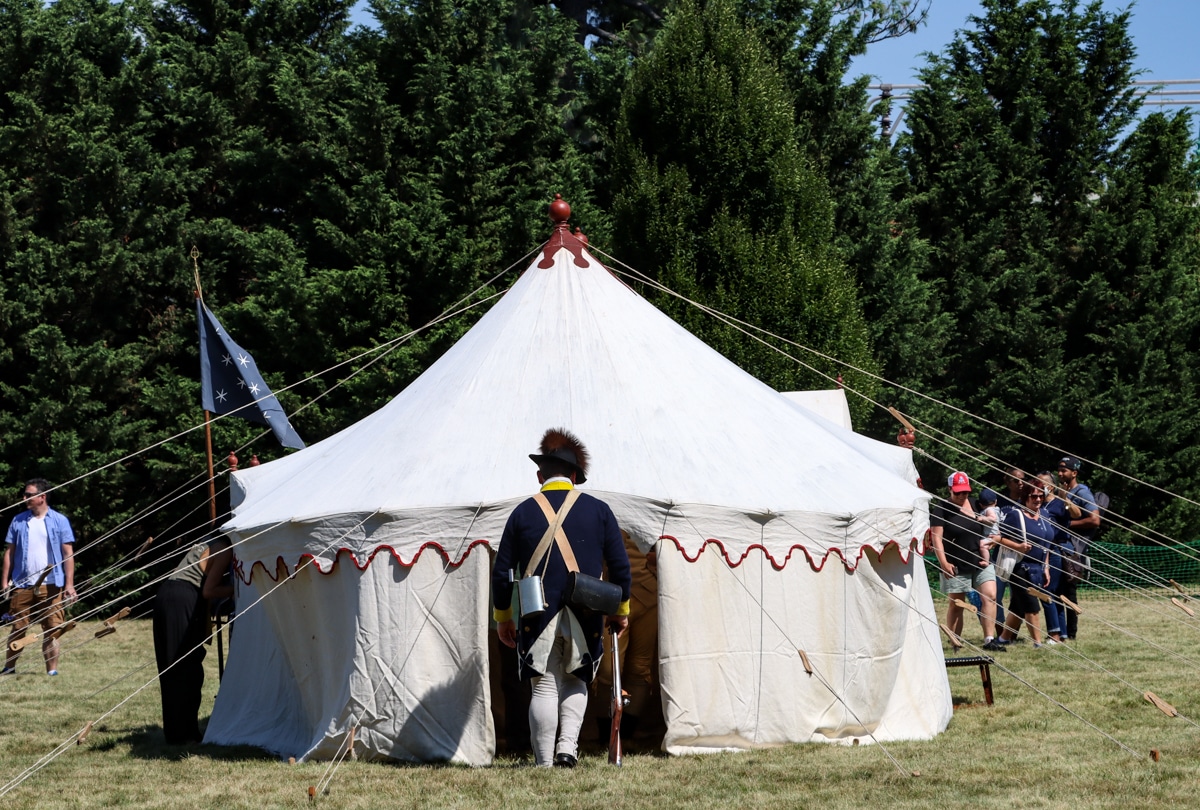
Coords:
22,643
110,625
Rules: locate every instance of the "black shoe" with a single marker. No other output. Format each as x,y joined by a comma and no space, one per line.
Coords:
564,761
995,645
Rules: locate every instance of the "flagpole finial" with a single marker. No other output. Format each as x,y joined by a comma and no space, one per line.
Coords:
232,461
195,254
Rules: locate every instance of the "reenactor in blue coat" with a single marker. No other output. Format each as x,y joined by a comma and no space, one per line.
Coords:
559,647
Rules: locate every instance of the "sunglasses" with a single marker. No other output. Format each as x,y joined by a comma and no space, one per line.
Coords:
30,494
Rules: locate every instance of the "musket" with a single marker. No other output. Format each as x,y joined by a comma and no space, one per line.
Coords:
616,707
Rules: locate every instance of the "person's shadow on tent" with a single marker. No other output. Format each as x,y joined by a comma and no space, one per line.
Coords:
438,724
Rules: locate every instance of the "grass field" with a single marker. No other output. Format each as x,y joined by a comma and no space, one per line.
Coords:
1023,752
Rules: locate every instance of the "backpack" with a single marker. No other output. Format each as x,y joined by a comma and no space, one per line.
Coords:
1078,563
1102,503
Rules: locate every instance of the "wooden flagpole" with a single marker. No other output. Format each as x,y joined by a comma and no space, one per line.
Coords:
212,482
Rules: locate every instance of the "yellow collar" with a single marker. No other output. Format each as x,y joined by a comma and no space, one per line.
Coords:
553,485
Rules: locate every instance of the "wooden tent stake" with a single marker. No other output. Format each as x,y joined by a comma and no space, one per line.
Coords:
110,624
955,641
1161,705
145,547
58,632
123,613
22,643
1034,592
908,426
83,735
1183,607
804,660
967,606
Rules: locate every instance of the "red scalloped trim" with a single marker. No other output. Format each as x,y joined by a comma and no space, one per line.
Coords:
305,558
915,544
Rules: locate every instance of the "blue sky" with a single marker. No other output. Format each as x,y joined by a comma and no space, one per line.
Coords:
1165,32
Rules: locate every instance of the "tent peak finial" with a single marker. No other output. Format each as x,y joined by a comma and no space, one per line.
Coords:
560,211
562,237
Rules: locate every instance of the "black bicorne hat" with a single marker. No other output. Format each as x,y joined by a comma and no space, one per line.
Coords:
559,444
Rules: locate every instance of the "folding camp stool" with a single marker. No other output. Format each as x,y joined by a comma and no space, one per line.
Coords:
985,670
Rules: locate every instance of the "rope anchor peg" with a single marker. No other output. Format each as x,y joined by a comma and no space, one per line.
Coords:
22,643
110,625
1161,705
804,660
1071,605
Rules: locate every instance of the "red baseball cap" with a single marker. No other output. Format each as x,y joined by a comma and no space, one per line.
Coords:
958,482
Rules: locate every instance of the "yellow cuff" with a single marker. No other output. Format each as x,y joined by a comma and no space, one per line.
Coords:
502,615
623,610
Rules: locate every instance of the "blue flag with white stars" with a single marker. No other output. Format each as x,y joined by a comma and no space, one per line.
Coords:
230,382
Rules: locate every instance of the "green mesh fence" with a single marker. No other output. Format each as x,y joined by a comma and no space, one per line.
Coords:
1121,567
1117,566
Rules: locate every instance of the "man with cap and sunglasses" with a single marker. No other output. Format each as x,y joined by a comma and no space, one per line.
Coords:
1081,529
559,647
39,567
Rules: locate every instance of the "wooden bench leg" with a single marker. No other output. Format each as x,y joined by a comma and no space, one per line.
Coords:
985,672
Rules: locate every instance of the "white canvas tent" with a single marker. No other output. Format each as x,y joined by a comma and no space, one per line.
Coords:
830,405
776,530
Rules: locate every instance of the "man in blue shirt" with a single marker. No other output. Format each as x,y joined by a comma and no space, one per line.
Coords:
1082,529
39,566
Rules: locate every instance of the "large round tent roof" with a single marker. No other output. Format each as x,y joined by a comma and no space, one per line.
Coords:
674,429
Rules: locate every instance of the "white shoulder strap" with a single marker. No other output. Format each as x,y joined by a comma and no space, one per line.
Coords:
553,531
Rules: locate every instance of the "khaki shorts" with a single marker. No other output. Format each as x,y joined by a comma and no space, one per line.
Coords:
964,584
41,604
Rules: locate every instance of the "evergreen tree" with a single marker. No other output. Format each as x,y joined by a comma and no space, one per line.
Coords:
87,317
815,42
719,205
1025,191
1134,324
341,187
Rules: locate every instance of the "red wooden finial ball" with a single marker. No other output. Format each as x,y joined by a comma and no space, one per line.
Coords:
232,461
254,462
559,210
